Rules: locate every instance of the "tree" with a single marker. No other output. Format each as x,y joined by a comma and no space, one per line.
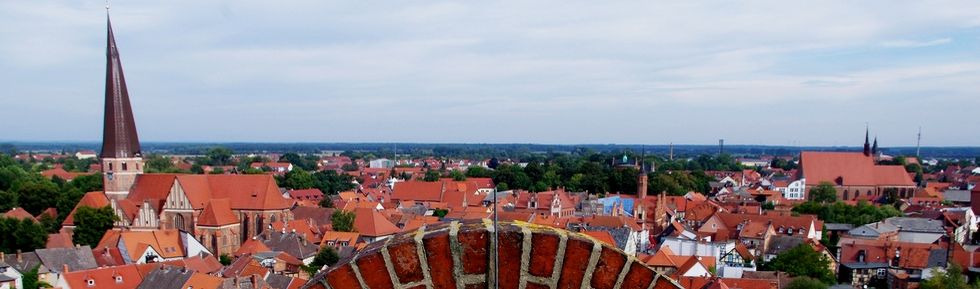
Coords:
8,200
839,212
326,257
803,261
457,175
22,235
326,202
440,213
824,193
31,280
952,279
219,156
478,172
342,221
35,193
431,176
91,224
156,163
224,259
298,179
806,283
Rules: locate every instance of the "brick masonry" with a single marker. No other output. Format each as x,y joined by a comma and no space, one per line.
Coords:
459,255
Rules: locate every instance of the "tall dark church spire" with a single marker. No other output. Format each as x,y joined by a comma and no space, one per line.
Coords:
867,143
119,139
122,159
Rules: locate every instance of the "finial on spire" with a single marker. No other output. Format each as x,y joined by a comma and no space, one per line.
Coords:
106,6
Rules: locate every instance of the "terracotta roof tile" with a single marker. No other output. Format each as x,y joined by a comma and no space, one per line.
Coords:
119,277
371,223
217,213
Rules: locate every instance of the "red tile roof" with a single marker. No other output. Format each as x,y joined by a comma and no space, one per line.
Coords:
20,214
59,240
603,236
119,277
251,246
371,223
91,200
850,169
217,213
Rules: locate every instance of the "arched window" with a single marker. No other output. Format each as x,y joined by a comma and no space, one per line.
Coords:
179,222
245,224
258,225
214,245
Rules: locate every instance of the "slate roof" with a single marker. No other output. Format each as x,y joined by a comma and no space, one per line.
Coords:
279,281
24,262
166,277
290,243
779,244
957,196
906,224
79,258
838,227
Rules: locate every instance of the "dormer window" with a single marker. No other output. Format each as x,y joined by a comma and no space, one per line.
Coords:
90,282
119,279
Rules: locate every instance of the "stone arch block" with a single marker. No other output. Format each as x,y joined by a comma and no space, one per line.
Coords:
459,255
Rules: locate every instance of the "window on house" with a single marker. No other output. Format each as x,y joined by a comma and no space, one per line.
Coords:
124,167
881,273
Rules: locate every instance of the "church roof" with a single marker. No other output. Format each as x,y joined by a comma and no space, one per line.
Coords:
119,138
217,213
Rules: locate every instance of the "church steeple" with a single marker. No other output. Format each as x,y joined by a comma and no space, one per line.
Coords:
874,146
122,158
119,138
867,144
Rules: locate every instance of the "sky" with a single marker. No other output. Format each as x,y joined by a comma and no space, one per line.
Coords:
556,72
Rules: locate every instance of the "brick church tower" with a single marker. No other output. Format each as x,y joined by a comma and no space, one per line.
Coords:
122,159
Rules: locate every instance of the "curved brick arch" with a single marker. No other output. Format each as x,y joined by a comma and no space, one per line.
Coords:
459,255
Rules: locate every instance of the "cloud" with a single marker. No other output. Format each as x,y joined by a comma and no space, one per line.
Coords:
916,44
549,71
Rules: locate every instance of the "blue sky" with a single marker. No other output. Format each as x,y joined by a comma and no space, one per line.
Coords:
651,72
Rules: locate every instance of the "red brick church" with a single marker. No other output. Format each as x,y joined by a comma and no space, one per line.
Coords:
221,211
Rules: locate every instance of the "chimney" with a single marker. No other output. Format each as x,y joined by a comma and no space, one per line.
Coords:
64,268
3,258
19,258
268,234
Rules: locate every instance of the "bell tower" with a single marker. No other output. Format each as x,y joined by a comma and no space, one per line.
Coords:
122,158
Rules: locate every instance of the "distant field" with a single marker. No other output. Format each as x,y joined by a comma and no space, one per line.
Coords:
460,149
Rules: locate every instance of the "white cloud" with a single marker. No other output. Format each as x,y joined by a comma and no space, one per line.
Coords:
915,44
553,71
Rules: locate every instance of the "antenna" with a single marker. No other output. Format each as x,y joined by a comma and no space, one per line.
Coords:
918,142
